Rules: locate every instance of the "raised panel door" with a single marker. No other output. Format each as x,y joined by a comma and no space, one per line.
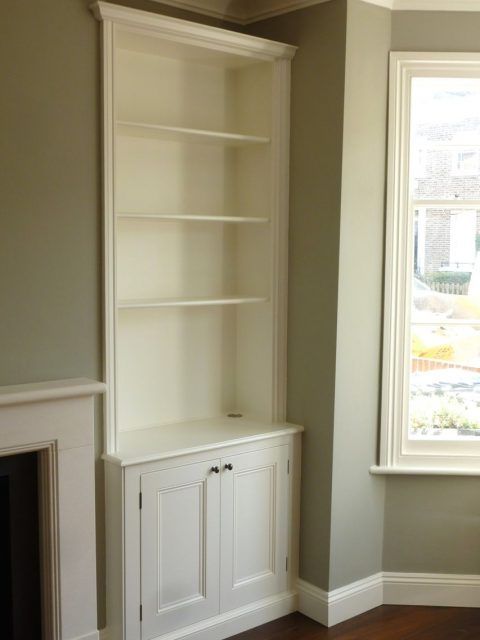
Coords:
180,539
254,531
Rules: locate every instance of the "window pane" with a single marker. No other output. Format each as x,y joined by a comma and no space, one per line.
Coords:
445,139
445,312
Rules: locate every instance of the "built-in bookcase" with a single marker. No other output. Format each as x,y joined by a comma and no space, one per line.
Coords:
196,143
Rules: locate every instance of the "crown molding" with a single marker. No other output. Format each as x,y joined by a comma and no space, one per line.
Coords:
241,11
247,11
436,5
386,4
193,32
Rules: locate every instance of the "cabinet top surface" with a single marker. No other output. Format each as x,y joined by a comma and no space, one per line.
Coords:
168,441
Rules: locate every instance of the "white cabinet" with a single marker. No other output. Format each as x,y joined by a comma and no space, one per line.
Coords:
196,147
214,537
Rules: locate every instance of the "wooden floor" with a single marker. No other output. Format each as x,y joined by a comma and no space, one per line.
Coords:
384,623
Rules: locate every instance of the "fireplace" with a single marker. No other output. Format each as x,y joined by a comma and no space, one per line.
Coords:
46,462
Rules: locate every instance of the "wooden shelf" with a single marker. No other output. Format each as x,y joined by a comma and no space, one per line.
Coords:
189,302
193,218
180,134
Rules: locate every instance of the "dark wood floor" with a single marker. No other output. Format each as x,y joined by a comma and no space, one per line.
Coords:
384,623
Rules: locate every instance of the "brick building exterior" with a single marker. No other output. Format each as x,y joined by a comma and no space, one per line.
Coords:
446,167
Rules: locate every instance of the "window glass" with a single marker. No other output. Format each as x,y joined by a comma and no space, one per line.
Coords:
445,138
444,399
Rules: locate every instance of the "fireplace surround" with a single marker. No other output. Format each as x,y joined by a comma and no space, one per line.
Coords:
56,420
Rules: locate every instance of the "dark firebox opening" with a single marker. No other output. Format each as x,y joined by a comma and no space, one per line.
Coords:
20,595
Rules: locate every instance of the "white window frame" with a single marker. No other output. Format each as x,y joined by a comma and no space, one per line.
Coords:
398,454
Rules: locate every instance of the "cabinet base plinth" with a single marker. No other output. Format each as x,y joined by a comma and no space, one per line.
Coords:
232,622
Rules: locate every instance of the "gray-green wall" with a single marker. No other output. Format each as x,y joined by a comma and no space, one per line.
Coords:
432,524
357,497
318,73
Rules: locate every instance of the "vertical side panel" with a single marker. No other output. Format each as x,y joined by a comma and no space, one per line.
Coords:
132,554
280,203
108,52
114,549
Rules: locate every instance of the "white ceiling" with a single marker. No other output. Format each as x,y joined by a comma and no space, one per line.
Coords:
247,11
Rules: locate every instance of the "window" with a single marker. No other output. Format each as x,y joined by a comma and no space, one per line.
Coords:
431,370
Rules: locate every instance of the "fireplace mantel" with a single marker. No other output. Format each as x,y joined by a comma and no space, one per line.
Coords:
56,419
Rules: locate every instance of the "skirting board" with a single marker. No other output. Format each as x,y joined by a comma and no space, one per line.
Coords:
421,589
330,608
95,635
430,589
233,622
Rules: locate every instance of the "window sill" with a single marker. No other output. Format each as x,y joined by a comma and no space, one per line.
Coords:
423,471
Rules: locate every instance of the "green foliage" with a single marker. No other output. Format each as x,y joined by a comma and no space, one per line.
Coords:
450,277
443,412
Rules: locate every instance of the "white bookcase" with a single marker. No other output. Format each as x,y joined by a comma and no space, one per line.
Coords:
196,128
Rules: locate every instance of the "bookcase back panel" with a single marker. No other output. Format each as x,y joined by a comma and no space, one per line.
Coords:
163,176
180,364
174,365
254,379
163,90
169,177
176,259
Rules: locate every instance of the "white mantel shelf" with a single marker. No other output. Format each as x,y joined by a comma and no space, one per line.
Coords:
169,441
51,390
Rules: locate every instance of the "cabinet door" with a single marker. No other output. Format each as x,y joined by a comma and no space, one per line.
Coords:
180,538
254,531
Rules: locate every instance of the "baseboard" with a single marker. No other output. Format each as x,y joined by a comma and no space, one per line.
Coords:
422,589
330,608
430,589
313,601
94,635
233,622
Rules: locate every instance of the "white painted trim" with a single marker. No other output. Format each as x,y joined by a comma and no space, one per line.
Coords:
193,33
386,4
90,636
280,149
397,450
378,470
417,589
436,5
219,9
233,622
51,390
241,12
434,590
313,602
55,419
356,598
330,608
272,8
249,12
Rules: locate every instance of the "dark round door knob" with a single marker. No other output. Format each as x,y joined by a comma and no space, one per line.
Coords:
229,466
215,469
